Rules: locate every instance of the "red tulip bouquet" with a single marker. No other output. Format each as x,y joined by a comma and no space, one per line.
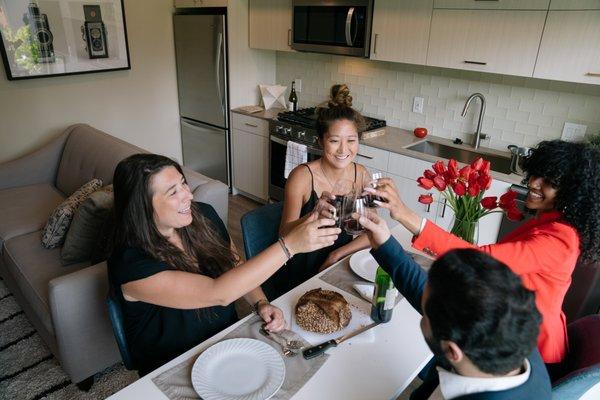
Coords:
464,189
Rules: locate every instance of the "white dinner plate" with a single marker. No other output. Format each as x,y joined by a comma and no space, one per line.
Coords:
364,265
238,369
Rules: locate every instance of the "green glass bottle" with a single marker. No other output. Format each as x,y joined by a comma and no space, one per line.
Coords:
384,297
293,99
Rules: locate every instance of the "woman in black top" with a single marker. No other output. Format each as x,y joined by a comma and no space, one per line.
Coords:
173,262
310,184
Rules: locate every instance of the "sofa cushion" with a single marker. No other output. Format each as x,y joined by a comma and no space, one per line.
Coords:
85,229
55,231
90,153
32,267
26,209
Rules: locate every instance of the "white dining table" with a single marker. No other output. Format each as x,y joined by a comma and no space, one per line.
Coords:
378,368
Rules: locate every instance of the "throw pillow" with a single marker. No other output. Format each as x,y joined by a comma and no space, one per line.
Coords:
86,226
53,234
103,245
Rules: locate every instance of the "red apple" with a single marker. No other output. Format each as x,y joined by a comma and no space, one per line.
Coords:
420,132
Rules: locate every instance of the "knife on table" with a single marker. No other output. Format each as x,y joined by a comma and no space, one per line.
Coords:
319,349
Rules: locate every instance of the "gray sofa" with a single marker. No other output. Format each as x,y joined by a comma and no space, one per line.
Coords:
66,304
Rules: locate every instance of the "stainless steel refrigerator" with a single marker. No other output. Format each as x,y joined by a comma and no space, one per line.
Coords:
200,48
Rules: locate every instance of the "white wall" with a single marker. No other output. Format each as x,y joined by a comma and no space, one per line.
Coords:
247,67
520,111
139,105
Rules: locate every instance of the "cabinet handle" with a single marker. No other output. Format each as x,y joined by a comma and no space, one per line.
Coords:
290,37
596,74
362,155
252,125
444,208
475,62
489,0
428,207
375,43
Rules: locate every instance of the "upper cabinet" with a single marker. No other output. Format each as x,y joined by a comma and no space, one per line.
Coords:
493,4
575,5
570,49
401,30
270,24
498,41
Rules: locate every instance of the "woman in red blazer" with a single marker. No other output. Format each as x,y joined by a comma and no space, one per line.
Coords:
564,189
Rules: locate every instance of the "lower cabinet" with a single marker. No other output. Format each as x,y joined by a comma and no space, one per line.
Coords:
251,163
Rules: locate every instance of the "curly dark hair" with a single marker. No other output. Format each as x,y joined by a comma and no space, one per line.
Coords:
478,303
573,169
339,107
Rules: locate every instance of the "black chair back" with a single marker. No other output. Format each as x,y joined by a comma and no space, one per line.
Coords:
115,312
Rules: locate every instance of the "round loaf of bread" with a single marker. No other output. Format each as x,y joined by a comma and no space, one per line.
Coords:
322,311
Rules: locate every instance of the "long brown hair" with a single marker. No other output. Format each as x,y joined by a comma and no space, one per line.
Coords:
205,251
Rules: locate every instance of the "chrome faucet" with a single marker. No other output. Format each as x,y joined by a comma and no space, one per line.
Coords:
478,134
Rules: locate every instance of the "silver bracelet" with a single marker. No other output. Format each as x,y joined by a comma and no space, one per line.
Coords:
284,247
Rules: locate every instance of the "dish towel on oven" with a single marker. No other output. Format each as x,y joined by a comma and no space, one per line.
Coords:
295,154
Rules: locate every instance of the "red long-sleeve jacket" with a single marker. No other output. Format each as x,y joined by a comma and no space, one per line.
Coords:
543,252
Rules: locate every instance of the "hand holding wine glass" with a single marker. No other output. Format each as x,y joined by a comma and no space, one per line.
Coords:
353,208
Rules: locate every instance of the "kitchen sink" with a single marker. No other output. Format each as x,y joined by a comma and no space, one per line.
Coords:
465,156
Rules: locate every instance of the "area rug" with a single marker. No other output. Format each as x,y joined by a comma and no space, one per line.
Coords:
29,371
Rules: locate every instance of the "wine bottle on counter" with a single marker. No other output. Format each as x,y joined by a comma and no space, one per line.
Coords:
384,297
293,99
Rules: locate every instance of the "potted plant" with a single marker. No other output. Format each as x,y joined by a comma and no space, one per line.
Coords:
464,189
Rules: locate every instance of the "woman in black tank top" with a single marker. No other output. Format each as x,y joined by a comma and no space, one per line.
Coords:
338,127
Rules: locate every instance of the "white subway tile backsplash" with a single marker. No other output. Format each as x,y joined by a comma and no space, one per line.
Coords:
518,110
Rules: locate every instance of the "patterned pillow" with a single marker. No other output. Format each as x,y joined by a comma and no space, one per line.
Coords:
55,231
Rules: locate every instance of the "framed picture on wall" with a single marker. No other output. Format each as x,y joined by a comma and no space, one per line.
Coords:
42,38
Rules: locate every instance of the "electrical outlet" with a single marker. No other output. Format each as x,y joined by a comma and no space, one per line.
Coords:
418,105
573,132
298,85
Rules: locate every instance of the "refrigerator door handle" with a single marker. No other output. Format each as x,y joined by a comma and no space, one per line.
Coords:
218,70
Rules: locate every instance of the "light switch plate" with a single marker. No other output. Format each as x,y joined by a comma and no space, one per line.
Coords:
418,105
573,132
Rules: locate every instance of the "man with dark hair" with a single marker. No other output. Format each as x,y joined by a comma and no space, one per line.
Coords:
479,321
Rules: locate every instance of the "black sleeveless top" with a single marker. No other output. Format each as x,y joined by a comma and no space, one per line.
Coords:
306,265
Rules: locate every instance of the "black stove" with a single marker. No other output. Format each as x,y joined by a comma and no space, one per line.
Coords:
307,118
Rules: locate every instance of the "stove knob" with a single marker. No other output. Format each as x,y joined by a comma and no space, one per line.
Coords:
279,129
315,139
301,134
287,131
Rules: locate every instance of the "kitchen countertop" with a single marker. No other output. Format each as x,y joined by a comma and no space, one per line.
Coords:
397,140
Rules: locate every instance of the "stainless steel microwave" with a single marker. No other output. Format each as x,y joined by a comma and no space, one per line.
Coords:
334,27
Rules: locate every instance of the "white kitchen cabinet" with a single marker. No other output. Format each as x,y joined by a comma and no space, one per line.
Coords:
251,163
575,5
498,41
250,149
400,30
410,192
270,24
494,5
199,3
570,48
372,157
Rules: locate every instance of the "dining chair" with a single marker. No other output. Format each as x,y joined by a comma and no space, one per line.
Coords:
260,228
115,312
581,368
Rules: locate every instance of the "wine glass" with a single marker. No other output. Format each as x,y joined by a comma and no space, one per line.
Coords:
353,208
341,189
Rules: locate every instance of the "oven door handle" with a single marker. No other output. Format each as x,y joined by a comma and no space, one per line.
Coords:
309,150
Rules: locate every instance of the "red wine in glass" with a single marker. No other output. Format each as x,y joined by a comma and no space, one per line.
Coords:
352,226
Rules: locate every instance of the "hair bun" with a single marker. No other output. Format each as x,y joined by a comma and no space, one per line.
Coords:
340,96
